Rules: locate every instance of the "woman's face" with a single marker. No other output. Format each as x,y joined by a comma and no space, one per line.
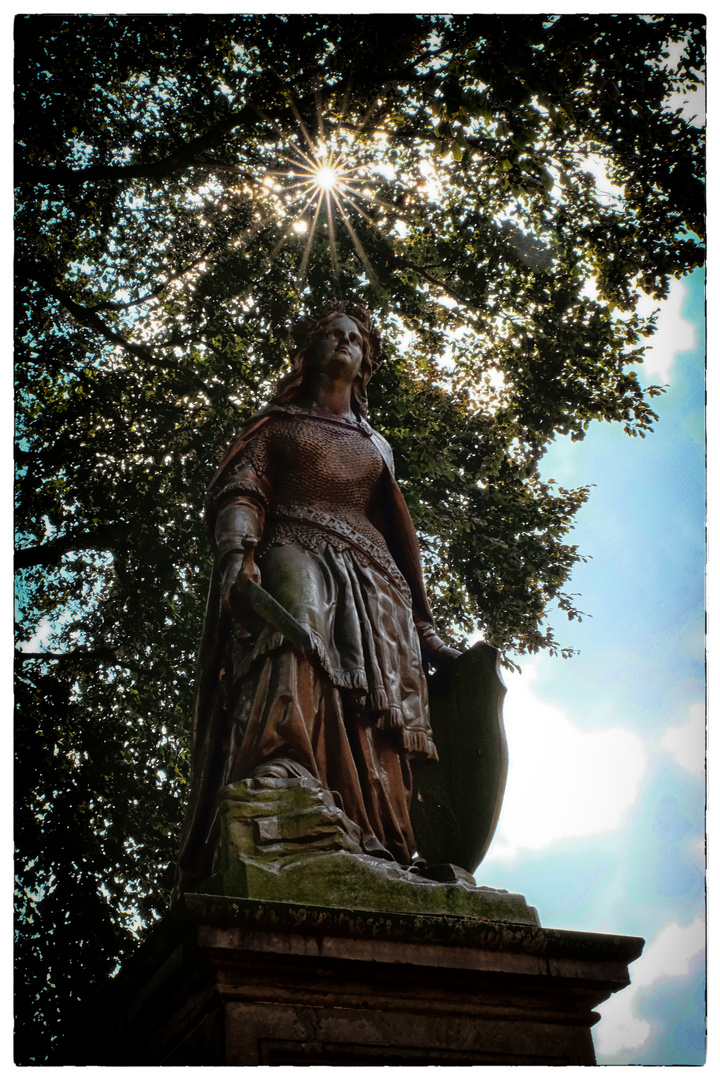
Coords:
338,352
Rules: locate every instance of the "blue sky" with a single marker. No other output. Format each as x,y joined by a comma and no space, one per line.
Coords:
602,827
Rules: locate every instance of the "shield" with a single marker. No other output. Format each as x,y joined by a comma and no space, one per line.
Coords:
456,801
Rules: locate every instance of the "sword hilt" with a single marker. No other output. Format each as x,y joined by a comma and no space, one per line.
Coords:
239,599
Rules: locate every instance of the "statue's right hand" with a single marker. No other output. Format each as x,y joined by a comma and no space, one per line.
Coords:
239,569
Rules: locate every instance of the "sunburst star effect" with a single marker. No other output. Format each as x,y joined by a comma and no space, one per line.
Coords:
327,180
325,175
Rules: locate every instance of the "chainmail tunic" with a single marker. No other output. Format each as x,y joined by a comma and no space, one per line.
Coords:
316,475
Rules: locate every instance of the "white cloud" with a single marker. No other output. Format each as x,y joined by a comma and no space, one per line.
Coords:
669,956
686,741
578,783
674,333
619,1030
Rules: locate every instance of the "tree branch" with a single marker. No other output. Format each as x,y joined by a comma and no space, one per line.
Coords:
101,654
104,538
185,156
112,305
440,284
88,317
182,157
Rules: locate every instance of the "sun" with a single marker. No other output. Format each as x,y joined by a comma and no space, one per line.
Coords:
322,178
327,177
326,172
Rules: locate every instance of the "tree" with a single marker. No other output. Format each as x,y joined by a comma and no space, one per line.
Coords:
169,228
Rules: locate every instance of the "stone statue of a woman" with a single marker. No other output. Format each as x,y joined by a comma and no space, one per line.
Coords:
305,503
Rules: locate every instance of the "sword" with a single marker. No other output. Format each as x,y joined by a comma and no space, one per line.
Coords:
267,607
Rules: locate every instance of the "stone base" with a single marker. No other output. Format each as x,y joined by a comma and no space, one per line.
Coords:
287,841
226,981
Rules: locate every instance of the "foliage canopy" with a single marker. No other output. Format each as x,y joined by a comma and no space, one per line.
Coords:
164,244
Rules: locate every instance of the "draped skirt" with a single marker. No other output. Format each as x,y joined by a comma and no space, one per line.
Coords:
354,713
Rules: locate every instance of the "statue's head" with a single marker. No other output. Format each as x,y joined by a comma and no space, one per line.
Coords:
307,331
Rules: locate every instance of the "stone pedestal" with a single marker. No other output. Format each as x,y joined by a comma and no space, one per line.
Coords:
226,981
287,841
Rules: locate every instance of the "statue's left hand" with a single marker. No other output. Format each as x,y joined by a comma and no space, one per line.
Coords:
434,650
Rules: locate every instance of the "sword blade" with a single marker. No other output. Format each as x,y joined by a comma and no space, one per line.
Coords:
276,615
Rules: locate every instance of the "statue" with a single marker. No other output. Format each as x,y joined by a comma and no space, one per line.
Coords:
318,631
306,504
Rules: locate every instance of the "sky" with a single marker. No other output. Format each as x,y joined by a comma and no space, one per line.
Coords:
607,833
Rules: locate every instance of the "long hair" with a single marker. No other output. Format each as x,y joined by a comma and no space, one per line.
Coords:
307,331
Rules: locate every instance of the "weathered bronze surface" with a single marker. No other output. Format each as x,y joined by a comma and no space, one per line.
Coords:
321,678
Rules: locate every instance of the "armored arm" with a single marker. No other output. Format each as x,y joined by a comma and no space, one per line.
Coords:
236,507
238,530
